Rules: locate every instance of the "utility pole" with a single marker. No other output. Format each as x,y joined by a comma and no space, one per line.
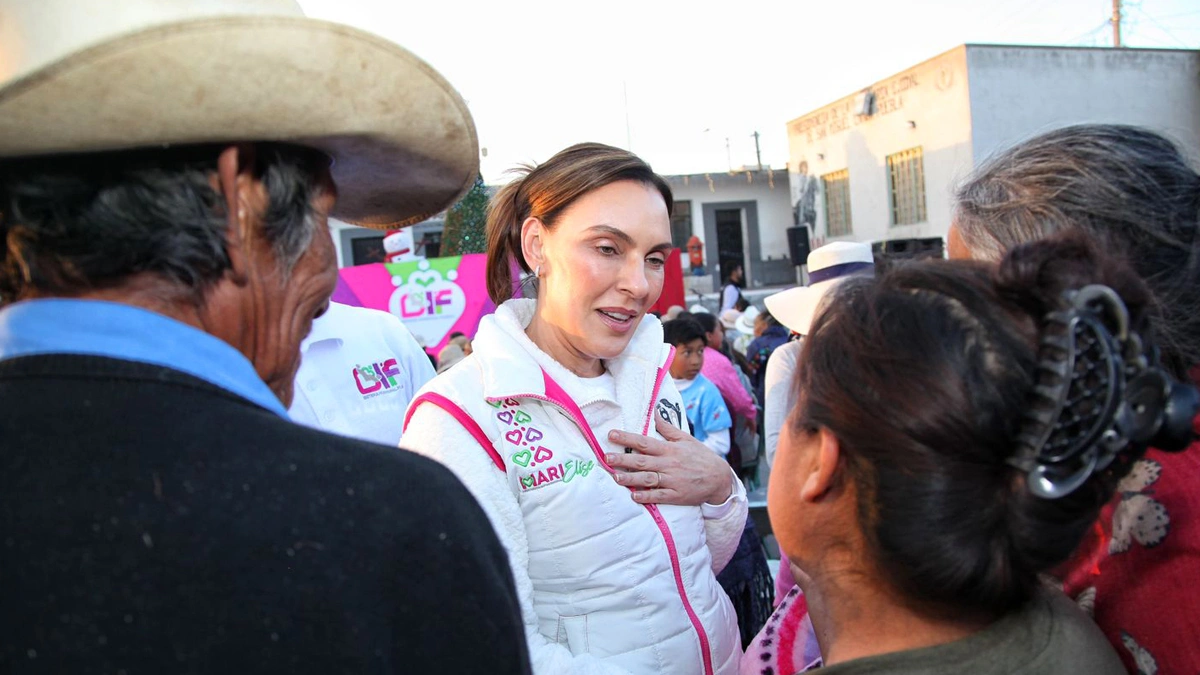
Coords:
1116,23
757,152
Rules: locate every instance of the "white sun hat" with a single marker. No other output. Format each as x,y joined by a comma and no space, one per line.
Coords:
81,76
828,266
745,322
729,319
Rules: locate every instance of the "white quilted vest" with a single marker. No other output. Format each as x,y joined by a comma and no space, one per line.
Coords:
624,582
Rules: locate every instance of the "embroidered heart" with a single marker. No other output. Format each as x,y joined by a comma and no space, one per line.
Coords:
424,278
506,416
522,458
510,402
542,454
513,437
522,417
495,404
533,435
528,481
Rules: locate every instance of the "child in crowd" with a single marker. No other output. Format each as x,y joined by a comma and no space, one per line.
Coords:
768,336
703,406
747,578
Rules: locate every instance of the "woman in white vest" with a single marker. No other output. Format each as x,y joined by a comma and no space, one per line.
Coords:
564,424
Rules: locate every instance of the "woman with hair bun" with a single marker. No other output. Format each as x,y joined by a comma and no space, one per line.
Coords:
1133,192
565,425
958,428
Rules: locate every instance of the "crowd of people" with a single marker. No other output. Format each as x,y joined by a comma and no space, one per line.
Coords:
983,464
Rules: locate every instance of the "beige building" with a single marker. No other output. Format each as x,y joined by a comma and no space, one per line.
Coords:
881,164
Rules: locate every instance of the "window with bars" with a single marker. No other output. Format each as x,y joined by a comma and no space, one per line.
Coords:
366,250
681,224
906,178
836,187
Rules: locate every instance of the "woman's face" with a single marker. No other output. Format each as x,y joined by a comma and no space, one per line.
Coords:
760,326
956,248
602,267
784,505
717,337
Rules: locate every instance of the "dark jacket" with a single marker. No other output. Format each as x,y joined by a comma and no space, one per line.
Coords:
759,352
153,523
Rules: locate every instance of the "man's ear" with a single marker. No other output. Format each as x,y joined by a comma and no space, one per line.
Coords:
237,183
532,247
823,470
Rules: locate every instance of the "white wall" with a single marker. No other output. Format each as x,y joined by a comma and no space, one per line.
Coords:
926,106
769,189
338,227
1018,92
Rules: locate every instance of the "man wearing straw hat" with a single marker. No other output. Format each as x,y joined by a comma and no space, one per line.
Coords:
166,174
795,308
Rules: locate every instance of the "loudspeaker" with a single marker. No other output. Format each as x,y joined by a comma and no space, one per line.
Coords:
798,245
916,249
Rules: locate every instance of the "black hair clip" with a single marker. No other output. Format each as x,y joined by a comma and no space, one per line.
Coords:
1098,392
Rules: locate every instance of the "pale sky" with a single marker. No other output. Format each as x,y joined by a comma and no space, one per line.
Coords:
539,75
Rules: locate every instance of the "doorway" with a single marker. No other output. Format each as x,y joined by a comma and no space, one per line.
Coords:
729,241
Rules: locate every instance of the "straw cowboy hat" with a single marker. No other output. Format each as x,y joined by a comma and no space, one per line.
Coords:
97,75
729,319
827,267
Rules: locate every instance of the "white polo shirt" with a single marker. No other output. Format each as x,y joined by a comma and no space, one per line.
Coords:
359,369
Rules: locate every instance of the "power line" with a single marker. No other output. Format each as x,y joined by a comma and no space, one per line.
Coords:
1183,15
1181,43
1090,34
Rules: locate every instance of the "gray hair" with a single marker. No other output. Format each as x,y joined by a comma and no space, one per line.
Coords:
1128,188
88,221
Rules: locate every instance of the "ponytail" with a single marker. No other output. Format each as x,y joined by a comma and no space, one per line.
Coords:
505,216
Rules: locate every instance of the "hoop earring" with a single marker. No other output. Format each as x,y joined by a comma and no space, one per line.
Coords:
537,272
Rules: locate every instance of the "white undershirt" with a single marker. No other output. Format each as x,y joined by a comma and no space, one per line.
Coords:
603,386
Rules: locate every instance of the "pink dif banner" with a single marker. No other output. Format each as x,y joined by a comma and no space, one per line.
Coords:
433,297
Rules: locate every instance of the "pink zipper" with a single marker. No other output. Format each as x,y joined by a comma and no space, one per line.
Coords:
687,605
658,380
553,389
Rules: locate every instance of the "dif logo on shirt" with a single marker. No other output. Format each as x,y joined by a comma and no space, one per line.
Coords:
376,378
